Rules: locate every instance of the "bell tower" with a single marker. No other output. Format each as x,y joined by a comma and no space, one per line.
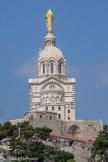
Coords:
52,91
51,61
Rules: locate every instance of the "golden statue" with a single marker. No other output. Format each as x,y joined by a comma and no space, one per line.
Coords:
49,19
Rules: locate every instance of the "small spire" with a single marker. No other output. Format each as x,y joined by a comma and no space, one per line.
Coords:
49,20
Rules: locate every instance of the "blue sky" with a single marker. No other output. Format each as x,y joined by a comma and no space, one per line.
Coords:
81,30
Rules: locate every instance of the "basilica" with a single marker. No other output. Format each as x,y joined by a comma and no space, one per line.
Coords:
52,94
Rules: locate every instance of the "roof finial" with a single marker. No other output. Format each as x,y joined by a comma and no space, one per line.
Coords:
49,19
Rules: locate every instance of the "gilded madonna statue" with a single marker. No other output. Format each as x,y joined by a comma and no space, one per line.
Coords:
49,19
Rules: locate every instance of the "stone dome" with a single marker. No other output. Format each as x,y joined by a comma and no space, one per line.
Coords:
51,52
51,61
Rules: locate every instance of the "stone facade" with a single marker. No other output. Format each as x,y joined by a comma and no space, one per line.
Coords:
52,91
52,96
81,154
15,121
81,129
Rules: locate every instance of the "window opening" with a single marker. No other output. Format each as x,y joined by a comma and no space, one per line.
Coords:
40,116
59,108
43,67
59,67
68,111
52,108
52,67
46,108
59,116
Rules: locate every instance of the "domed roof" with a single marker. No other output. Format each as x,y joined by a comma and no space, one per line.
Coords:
51,52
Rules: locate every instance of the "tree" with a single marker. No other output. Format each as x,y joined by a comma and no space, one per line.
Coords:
23,124
39,150
6,125
43,133
3,134
27,132
0,126
99,151
9,129
71,160
28,148
12,143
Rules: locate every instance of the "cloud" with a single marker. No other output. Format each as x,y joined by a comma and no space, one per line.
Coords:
72,71
104,78
27,69
101,72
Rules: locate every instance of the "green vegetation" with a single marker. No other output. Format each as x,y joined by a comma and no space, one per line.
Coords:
99,151
36,149
7,129
29,144
27,132
42,133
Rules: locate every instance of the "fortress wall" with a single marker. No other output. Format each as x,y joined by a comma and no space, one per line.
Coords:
81,129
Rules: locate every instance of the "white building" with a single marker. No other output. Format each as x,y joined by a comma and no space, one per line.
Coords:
52,91
52,94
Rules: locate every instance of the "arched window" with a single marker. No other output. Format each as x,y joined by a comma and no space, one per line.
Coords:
52,67
59,116
73,129
59,67
43,67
